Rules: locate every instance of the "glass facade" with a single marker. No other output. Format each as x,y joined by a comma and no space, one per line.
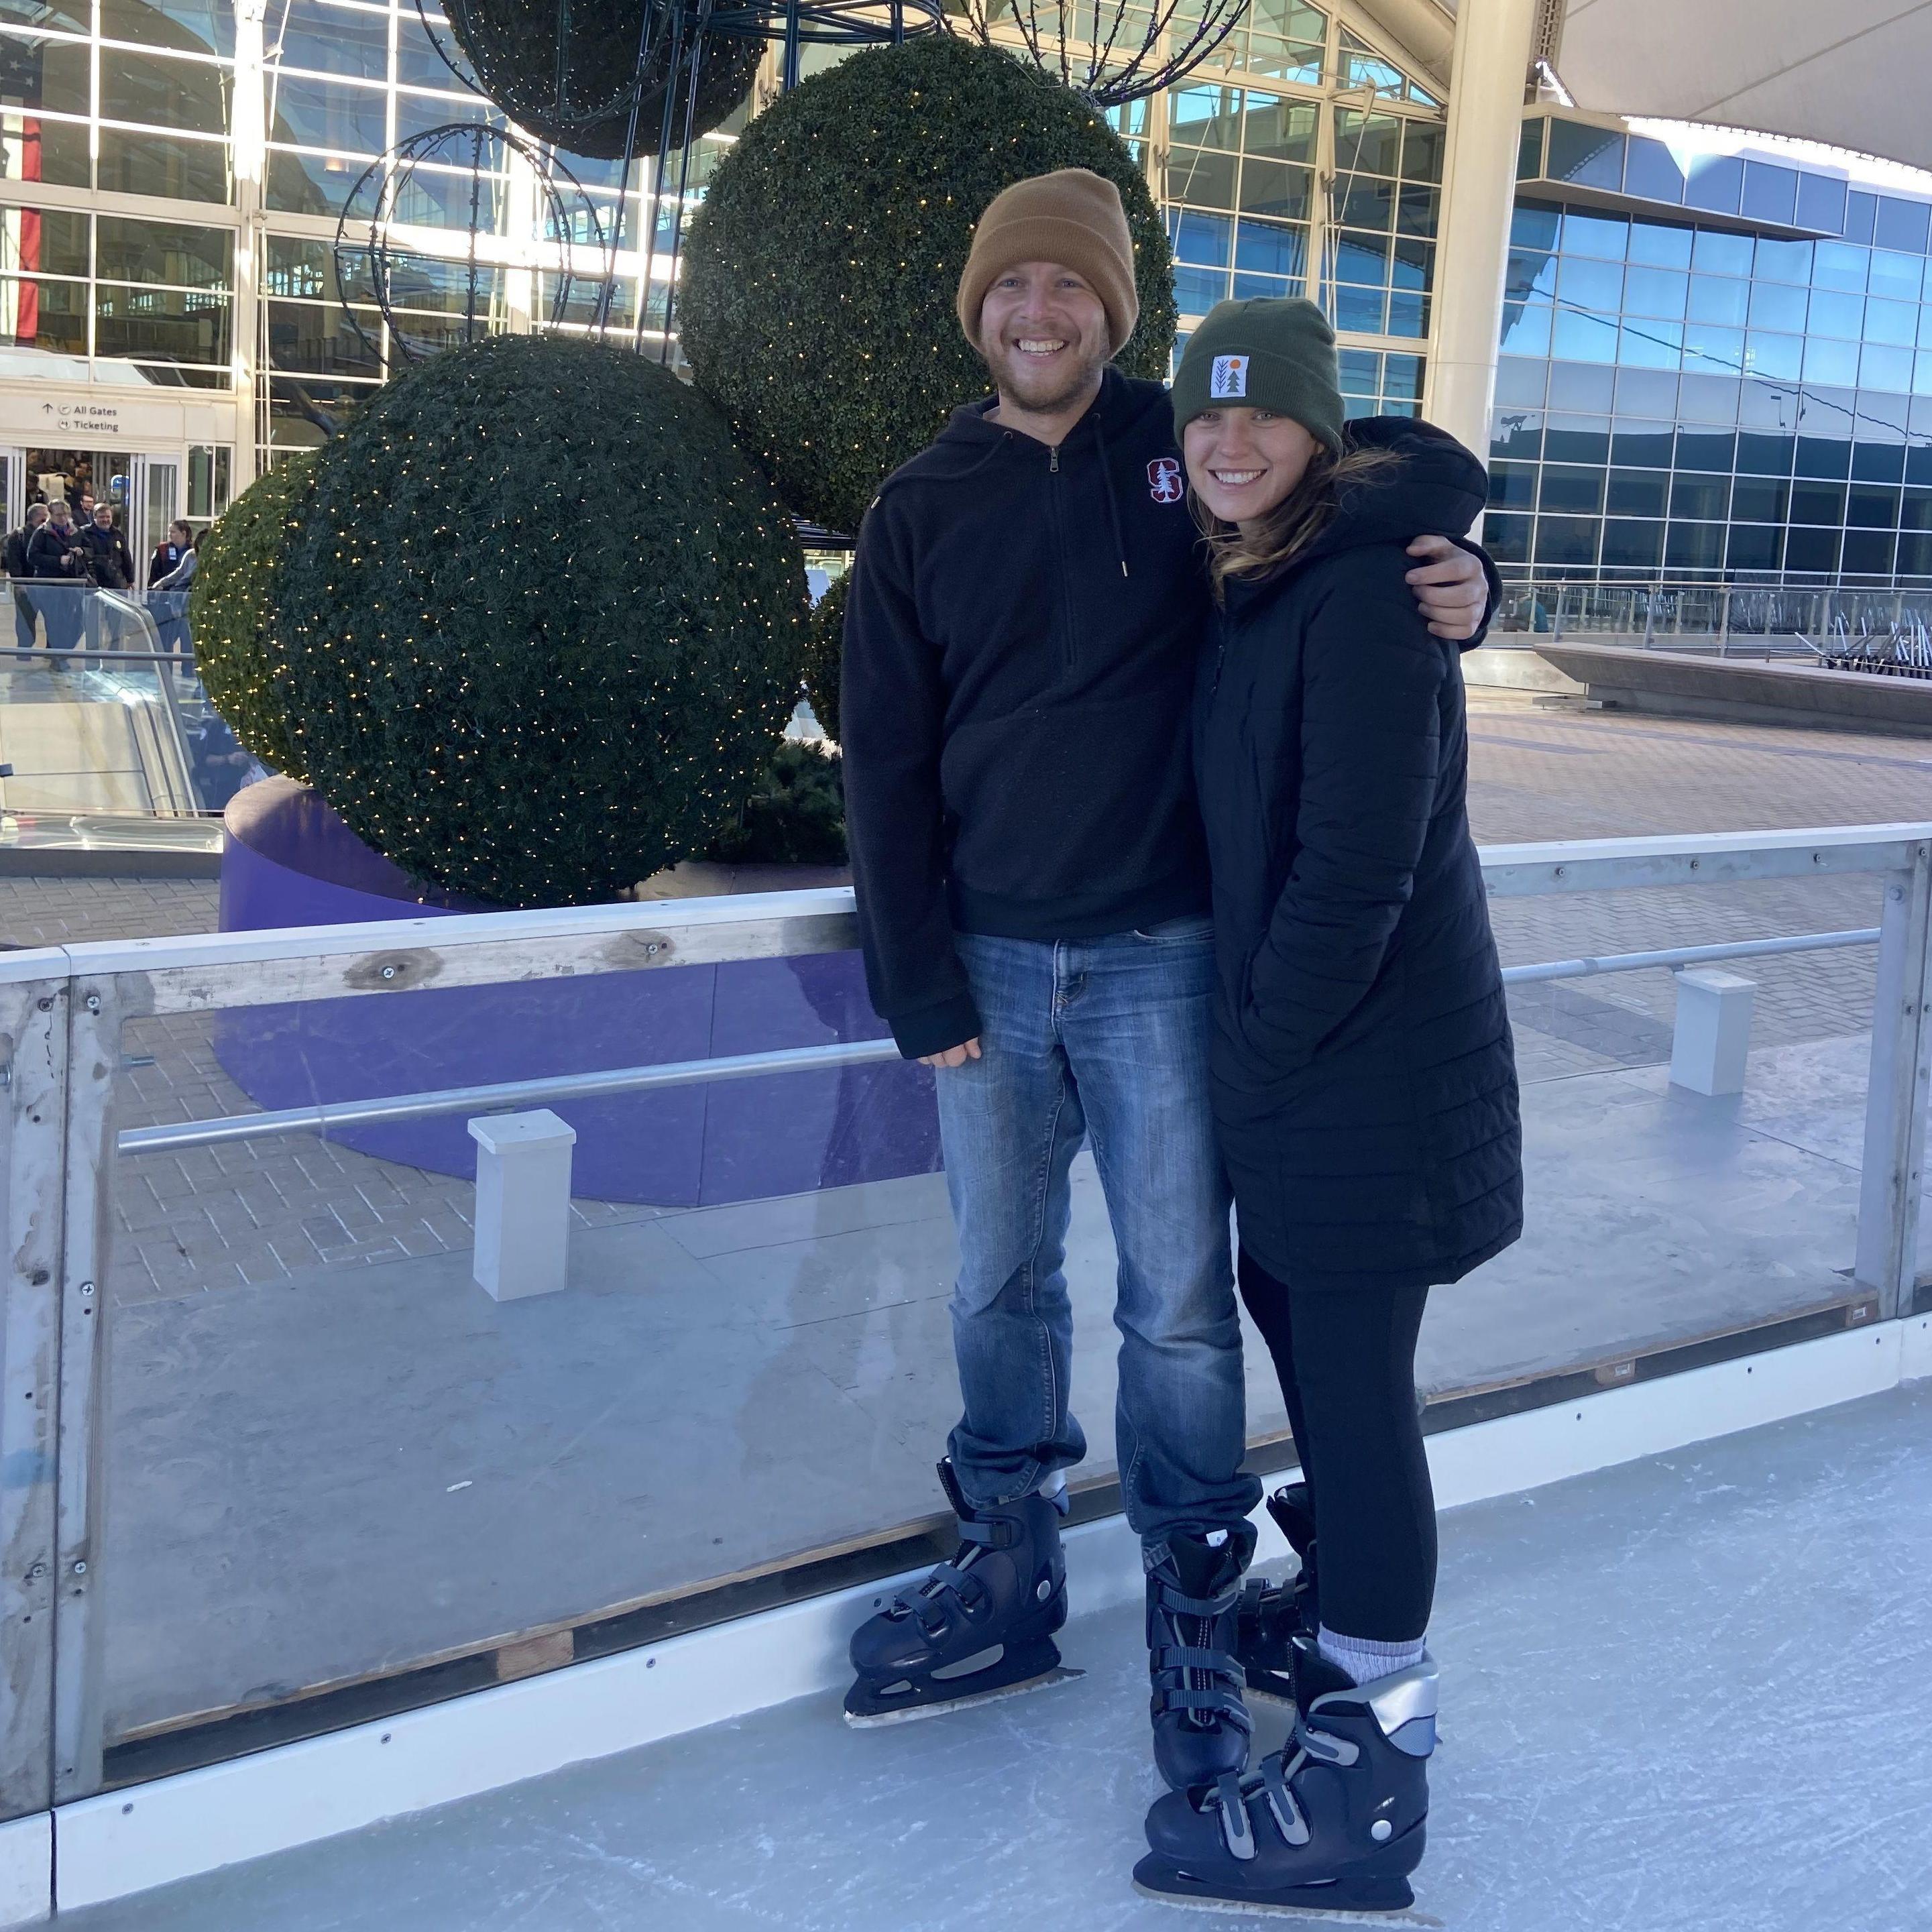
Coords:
1715,362
1736,383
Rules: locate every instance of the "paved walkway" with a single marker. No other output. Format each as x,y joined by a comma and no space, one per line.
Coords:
1691,1694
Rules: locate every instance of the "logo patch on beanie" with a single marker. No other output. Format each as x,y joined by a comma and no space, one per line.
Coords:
1164,483
1231,376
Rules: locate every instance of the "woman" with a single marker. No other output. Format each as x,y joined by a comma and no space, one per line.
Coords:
1363,1074
170,574
167,558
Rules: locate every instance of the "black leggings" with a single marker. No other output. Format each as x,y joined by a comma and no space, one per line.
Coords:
1346,1358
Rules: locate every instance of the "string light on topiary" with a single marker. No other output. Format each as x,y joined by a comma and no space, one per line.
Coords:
800,271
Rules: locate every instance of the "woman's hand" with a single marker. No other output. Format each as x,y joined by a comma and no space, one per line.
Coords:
953,1056
1450,588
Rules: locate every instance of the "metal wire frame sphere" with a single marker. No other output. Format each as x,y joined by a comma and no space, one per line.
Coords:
369,255
1107,50
574,72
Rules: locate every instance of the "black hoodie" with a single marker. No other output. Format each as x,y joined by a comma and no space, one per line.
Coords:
1020,643
1363,1072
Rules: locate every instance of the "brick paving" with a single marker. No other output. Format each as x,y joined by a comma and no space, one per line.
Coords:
253,1214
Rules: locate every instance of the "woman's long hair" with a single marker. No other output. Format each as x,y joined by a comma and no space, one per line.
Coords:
1294,523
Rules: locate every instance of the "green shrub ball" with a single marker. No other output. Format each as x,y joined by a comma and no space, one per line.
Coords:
818,279
234,612
824,653
545,623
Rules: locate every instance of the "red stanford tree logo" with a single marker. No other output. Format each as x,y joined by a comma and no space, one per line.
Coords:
1164,482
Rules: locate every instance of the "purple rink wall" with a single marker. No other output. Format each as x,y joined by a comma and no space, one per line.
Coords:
289,860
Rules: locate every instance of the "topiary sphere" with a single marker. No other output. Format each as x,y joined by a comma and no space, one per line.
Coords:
818,279
545,622
824,654
234,614
567,73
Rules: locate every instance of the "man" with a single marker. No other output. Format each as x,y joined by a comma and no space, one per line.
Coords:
1026,613
18,571
109,563
56,556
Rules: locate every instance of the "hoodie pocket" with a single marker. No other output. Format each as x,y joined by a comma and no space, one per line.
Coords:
1076,800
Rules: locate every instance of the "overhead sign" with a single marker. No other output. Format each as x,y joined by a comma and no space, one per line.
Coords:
55,418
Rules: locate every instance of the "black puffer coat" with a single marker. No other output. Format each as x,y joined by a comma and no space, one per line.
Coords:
1364,1076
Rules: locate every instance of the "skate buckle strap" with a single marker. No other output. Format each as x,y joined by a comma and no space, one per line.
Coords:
1236,1828
1173,1601
1323,1748
1189,1657
1288,1819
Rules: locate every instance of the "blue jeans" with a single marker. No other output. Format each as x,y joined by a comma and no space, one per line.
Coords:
1104,1040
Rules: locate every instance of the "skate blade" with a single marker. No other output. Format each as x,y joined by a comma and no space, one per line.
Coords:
873,1721
1319,1914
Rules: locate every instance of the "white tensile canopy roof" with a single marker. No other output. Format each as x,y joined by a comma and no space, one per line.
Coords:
1849,73
1852,73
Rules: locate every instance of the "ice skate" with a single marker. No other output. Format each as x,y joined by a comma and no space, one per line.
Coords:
1330,1827
1273,1614
979,1627
1201,1725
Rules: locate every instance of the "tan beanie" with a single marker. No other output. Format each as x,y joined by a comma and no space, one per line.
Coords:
1073,217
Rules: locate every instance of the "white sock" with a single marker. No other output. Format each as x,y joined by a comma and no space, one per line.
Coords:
1365,1661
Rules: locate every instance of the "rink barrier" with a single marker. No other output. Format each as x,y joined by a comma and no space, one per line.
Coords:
62,1013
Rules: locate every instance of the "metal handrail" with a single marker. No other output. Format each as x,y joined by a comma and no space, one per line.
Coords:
171,1136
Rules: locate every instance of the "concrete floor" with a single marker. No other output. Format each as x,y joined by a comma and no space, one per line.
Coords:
365,1469
1690,1694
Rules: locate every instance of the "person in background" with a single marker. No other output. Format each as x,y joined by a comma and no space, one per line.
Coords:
167,589
19,570
57,557
109,563
168,554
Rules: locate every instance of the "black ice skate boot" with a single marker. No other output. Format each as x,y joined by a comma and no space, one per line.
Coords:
979,1626
1273,1615
1201,1725
1330,1827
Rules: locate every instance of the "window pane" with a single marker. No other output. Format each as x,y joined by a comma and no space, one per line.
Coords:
1278,130
1362,258
1203,240
1719,349
1593,285
1651,345
311,184
418,113
1605,235
336,40
189,96
1776,358
1638,492
163,251
1269,250
1839,266
1569,487
48,317
1276,188
161,325
1775,305
1367,143
1659,292
330,114
1832,362
1633,546
1661,245
132,163
1366,204
319,340
1893,322
1202,176
1422,143
1208,117
52,152
185,26
1783,261
46,241
1362,310
36,71
1718,299
1882,368
1760,500
1584,338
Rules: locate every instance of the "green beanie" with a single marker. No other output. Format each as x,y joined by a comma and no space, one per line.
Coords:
1263,354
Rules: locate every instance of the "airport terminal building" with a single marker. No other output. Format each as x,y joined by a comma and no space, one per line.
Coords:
1715,347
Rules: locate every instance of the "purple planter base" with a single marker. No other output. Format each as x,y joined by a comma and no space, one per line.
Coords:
289,860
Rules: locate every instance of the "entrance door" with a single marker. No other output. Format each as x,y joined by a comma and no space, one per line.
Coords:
154,484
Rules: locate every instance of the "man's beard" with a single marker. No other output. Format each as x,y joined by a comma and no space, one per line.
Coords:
1012,375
